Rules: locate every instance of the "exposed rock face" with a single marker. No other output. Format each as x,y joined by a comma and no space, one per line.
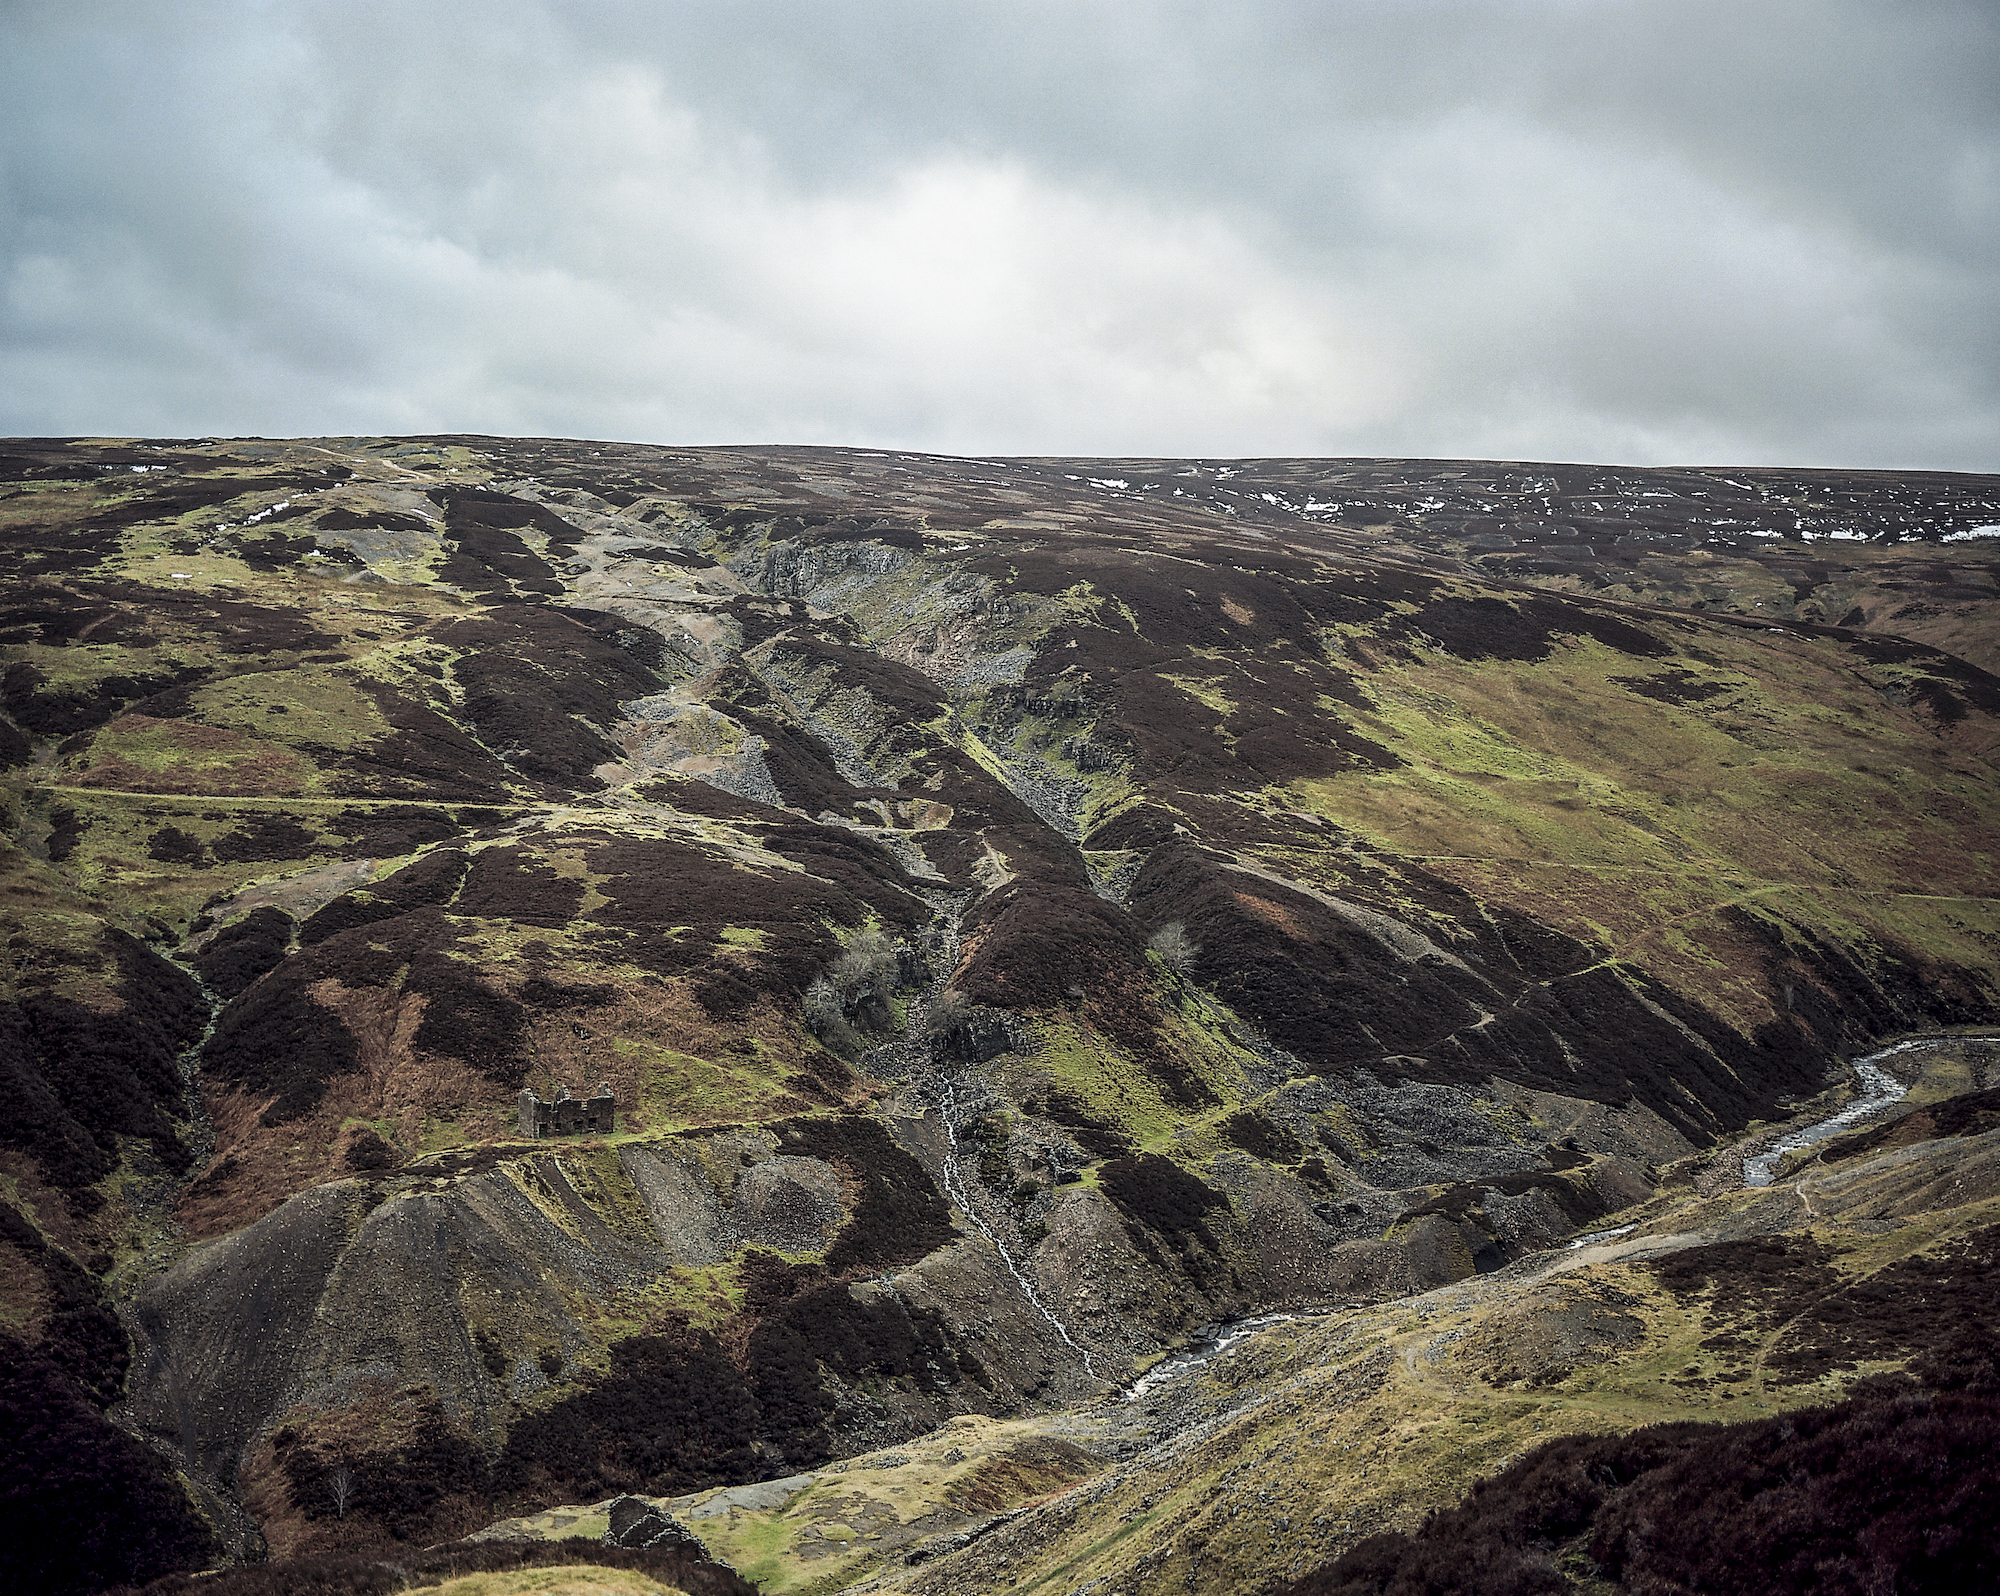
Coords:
636,1522
782,1203
1020,914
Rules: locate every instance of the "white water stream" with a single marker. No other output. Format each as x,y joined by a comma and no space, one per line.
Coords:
947,1101
1591,1238
955,1189
1226,1336
1878,1090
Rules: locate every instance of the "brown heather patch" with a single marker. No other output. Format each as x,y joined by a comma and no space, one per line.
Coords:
88,1504
254,1168
186,757
257,1166
380,1019
417,1481
415,1087
1272,914
276,1038
425,756
761,1047
25,1296
89,1039
755,1064
37,1199
1034,1469
513,883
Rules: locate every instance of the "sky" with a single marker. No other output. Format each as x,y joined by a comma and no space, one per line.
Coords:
1638,231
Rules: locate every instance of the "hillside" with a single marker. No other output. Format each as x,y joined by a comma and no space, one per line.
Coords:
1542,1388
1024,911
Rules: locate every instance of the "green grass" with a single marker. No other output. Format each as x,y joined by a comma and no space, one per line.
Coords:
1633,824
440,1133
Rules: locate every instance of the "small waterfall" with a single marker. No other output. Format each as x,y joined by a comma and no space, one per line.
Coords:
945,1089
955,1189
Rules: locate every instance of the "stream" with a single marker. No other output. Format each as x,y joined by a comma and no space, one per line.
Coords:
1878,1090
955,1190
1223,1338
954,1184
200,1141
153,1196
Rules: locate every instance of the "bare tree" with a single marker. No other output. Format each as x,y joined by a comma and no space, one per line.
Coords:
340,1485
1177,950
828,1017
869,960
856,987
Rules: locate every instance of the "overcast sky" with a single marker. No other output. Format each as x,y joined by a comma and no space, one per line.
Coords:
1752,231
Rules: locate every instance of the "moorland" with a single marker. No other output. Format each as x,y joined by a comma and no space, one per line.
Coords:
1173,1023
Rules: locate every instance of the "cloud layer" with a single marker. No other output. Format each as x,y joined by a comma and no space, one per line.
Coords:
1571,229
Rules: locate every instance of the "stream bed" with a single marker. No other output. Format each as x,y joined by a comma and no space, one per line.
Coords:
1219,1340
1878,1090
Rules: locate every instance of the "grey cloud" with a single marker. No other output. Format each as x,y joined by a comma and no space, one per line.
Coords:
1634,229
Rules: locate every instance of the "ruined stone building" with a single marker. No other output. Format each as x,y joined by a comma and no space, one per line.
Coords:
566,1115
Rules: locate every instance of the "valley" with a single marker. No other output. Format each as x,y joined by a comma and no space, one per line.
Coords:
1025,914
1300,1435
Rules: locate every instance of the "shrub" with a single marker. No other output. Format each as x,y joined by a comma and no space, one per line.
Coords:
945,1014
827,1018
1177,950
854,988
868,962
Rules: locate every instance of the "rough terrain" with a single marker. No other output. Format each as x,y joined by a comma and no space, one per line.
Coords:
1027,912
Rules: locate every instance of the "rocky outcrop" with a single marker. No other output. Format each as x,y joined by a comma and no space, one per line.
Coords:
636,1522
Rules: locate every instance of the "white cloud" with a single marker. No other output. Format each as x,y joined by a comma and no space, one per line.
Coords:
1379,229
